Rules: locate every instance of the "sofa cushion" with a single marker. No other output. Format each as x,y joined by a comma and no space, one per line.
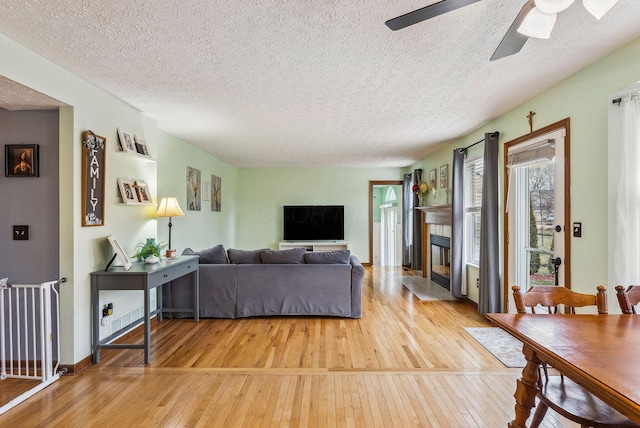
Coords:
292,256
245,256
214,256
210,256
328,257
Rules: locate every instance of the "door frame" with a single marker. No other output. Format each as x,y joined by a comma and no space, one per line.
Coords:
373,183
562,124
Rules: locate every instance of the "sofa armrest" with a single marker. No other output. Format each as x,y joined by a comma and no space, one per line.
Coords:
357,275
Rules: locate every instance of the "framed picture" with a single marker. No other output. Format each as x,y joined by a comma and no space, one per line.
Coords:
141,146
433,178
142,191
216,193
21,160
93,168
128,191
117,248
444,176
194,189
206,190
126,141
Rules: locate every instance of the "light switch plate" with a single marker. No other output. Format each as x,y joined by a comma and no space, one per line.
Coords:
20,233
577,229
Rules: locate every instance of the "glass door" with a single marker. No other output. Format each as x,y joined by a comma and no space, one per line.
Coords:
536,213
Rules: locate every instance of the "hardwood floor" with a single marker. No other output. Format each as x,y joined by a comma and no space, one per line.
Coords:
406,362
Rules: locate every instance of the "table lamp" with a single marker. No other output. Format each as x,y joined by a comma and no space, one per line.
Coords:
169,207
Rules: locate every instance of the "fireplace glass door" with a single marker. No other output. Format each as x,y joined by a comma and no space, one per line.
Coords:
440,261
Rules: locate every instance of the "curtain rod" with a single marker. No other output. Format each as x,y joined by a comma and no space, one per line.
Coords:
471,145
621,99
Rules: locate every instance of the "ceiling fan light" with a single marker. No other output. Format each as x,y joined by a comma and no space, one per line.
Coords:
598,8
538,24
553,6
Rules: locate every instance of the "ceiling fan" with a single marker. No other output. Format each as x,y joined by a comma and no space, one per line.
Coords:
535,19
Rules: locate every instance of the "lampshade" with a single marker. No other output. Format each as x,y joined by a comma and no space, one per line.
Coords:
538,24
553,6
598,8
169,207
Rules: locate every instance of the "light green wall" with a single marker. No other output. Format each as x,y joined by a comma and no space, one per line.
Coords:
378,199
252,199
263,192
197,229
583,98
85,249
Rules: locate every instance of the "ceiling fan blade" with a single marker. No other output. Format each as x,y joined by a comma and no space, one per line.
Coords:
427,12
513,41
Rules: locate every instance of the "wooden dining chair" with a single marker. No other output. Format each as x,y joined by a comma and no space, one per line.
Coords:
550,297
629,298
559,393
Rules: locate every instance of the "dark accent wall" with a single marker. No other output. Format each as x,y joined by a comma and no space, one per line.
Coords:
31,201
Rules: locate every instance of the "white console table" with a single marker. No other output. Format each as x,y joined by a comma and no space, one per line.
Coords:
315,245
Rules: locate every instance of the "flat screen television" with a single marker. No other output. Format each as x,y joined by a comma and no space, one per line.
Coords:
313,222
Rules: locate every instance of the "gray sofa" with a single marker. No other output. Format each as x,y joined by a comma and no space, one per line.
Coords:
264,282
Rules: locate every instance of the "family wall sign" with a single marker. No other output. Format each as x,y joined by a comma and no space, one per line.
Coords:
93,167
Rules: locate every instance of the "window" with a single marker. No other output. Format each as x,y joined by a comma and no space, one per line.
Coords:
473,172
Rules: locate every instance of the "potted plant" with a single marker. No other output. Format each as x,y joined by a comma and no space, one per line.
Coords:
149,251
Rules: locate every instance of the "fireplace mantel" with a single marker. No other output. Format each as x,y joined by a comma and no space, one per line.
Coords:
432,218
438,214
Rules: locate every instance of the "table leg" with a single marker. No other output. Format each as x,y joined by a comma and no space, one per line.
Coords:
95,308
159,302
196,294
147,327
526,389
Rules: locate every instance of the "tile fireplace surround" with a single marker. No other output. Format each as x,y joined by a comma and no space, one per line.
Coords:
436,220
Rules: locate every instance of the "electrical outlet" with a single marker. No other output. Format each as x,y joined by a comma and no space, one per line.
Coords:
107,314
107,309
477,282
20,233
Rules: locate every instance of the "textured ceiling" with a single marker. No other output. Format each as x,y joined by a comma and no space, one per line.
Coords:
14,96
274,83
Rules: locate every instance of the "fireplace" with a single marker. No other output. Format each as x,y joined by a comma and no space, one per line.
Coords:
440,261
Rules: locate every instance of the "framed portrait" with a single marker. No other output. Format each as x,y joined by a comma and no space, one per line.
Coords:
125,141
143,192
444,176
119,252
433,178
128,191
141,146
21,160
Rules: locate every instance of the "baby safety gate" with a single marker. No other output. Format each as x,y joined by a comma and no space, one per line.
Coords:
29,335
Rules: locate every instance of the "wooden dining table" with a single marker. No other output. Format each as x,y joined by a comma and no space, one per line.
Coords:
599,352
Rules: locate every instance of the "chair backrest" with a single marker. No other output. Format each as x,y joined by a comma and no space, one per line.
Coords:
552,296
628,298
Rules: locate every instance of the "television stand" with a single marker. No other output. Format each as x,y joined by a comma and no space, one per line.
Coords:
315,246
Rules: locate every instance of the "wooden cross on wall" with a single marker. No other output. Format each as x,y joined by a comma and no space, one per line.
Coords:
530,117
